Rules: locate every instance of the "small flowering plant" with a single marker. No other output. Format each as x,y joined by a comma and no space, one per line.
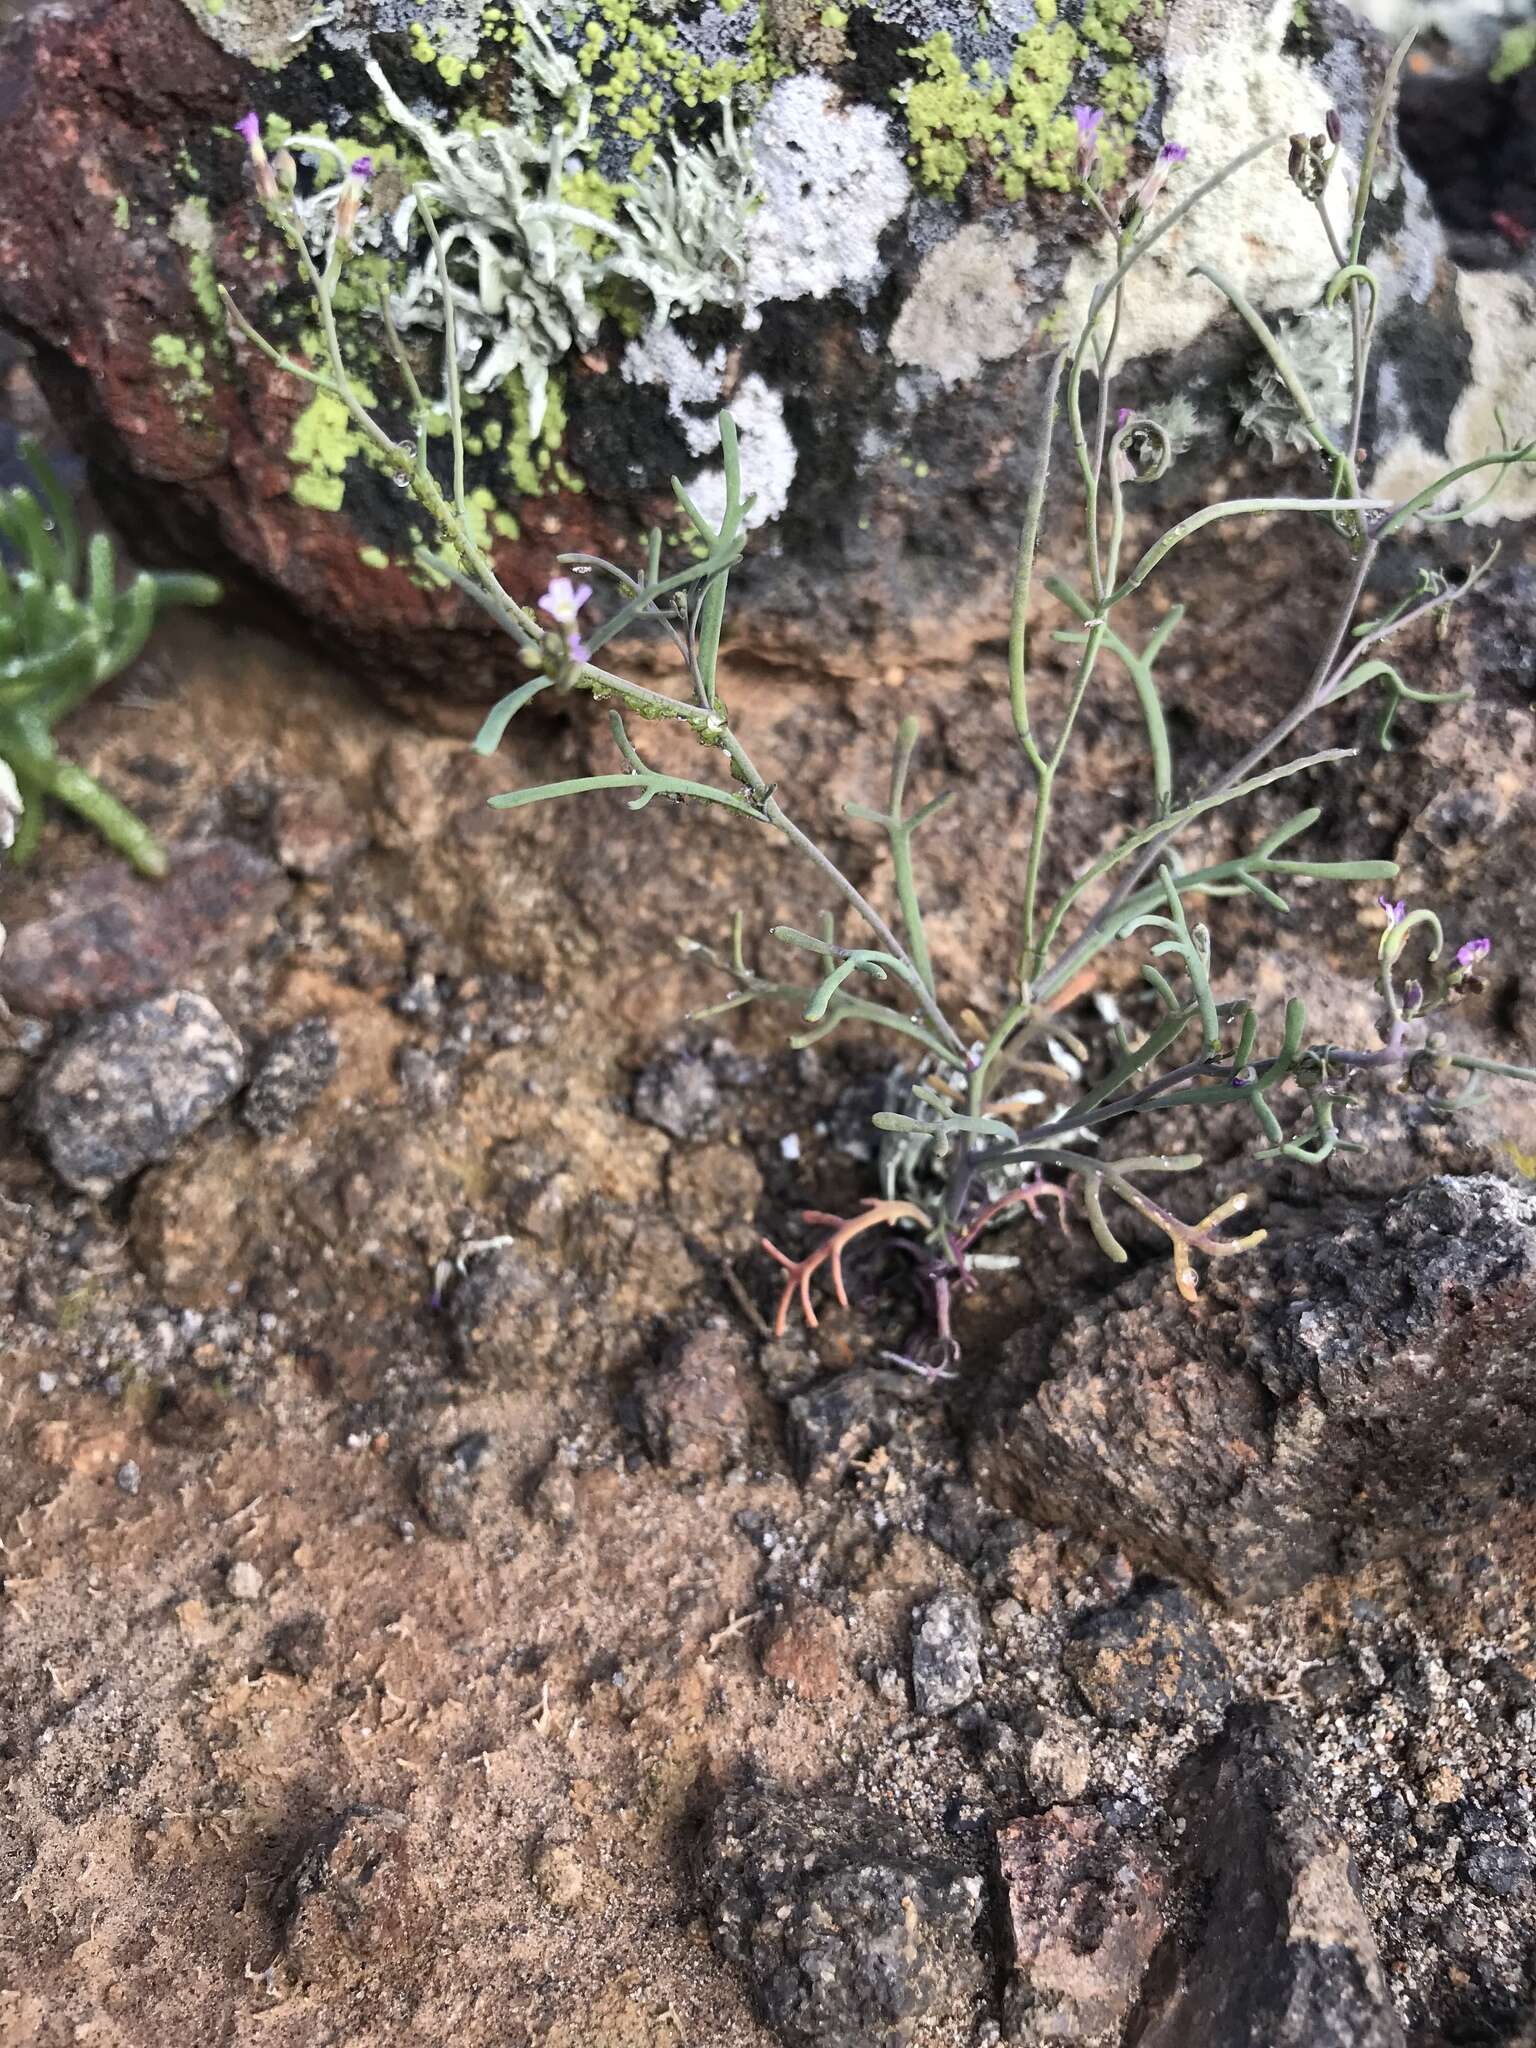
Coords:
1008,1115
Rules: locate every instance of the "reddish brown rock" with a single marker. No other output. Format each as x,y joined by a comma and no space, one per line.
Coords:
107,101
1084,1911
113,936
804,1653
693,1414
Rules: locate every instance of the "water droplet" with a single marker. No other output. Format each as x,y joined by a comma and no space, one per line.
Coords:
400,480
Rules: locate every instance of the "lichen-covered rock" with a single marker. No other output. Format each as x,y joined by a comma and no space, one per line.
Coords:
852,226
850,1933
1282,1952
1329,1401
123,1092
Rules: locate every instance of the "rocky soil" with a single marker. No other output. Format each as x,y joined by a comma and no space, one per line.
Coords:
435,1608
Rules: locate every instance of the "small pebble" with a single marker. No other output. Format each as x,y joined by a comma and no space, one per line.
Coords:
243,1581
128,1477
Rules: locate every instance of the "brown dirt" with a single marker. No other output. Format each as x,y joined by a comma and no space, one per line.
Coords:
548,1698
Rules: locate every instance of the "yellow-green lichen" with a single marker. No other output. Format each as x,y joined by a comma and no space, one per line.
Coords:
192,231
183,365
1017,124
323,442
641,65
1516,53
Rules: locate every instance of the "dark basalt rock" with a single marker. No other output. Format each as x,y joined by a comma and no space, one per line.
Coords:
1149,1658
850,1932
1281,1952
123,1092
1331,1401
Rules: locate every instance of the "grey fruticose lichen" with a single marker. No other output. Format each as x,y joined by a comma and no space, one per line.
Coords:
1318,344
525,267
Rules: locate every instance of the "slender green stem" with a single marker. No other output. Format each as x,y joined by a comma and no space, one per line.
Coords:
1259,328
899,834
1018,623
1034,948
1139,667
1234,508
1472,1064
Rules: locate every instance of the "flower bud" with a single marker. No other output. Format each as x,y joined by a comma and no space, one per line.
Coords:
1334,126
262,174
349,205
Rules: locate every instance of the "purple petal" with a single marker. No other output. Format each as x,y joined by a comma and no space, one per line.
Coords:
1173,153
1473,951
362,168
249,125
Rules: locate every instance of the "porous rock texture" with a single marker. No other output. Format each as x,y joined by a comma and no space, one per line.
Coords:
877,321
846,1929
1332,1401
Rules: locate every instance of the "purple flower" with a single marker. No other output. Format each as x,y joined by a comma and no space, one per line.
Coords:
264,177
1413,995
1474,952
1089,120
561,602
1123,415
1394,912
1168,158
349,205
